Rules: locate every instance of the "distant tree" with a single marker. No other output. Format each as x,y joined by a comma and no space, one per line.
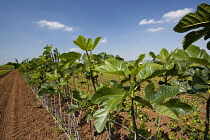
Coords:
16,65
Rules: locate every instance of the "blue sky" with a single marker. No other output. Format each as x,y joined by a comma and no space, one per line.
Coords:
128,27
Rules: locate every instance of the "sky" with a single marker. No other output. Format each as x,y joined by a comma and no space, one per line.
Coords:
128,27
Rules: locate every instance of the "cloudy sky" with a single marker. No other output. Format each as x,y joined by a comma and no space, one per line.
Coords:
128,27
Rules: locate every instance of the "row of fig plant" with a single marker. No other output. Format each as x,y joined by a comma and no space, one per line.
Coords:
53,73
112,95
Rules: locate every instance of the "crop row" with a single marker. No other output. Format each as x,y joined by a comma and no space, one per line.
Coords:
171,89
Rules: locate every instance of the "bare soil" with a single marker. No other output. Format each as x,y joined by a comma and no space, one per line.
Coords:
21,116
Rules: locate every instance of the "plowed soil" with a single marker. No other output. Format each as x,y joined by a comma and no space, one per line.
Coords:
21,117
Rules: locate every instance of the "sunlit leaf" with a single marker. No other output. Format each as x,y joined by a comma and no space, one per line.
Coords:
113,66
201,18
109,98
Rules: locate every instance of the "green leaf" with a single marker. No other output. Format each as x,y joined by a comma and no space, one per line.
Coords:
193,54
96,42
200,82
89,44
152,54
162,93
201,18
115,67
62,82
208,45
53,76
143,102
150,89
140,58
110,98
73,109
164,110
184,86
195,20
81,42
147,72
69,57
180,54
173,108
86,46
164,55
132,86
200,61
193,37
169,65
72,70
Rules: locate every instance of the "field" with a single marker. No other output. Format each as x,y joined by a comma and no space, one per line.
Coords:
4,69
3,72
100,96
21,114
20,107
87,96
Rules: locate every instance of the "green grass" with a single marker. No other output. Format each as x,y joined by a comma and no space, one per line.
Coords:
3,72
6,67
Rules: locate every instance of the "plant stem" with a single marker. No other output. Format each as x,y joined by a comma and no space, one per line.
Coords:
136,137
207,119
91,72
93,80
158,127
90,130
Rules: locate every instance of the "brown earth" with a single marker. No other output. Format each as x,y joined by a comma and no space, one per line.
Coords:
21,117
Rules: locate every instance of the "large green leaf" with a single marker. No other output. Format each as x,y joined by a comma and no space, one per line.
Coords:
184,86
69,57
86,45
159,96
193,54
164,55
113,66
81,42
180,54
201,18
193,37
173,108
147,72
110,98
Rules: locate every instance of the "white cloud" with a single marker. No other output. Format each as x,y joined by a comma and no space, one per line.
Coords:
168,17
174,15
40,41
54,25
155,29
75,49
50,24
69,29
104,40
151,21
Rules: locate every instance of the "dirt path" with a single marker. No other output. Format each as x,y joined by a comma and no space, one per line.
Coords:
20,116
